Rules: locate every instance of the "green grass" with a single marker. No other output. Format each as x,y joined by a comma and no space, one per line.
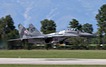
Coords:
90,54
2,65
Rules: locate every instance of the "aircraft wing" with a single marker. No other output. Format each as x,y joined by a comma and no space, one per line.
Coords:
64,35
86,35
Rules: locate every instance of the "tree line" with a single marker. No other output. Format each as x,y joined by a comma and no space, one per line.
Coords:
49,26
9,31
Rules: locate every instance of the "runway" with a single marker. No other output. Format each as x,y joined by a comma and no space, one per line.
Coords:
52,61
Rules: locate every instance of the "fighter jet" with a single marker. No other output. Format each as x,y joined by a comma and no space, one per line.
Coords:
32,35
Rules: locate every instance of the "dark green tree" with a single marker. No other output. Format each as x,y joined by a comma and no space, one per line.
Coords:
13,34
7,30
101,22
74,24
2,35
1,25
48,26
79,27
78,42
9,23
87,28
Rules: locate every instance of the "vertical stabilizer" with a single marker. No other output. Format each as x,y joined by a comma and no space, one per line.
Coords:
22,30
33,30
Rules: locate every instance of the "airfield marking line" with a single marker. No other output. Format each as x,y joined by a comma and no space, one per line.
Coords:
49,61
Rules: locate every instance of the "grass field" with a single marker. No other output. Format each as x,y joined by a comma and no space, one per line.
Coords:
52,65
90,54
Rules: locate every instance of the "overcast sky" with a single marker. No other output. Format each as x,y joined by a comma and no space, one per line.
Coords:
61,11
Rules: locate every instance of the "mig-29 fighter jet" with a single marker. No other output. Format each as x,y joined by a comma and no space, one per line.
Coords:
32,35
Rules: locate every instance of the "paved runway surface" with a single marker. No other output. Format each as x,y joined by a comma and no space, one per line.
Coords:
69,61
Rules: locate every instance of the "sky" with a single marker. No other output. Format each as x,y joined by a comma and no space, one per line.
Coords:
61,11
